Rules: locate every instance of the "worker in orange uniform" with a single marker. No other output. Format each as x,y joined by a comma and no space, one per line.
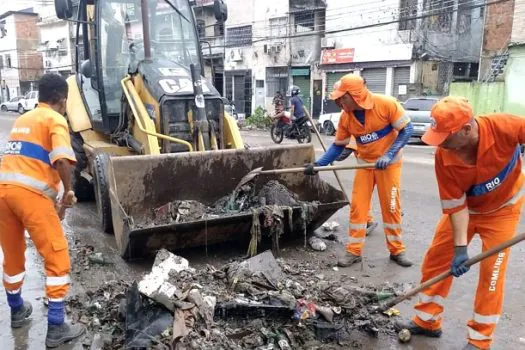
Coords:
478,170
381,129
38,155
349,149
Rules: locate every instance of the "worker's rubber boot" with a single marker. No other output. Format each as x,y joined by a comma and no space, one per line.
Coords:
471,347
58,335
20,309
401,260
416,330
59,331
19,317
370,227
348,260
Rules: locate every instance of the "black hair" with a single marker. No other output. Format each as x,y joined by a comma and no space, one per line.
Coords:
52,88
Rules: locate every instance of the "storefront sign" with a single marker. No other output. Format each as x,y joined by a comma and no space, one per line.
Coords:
337,56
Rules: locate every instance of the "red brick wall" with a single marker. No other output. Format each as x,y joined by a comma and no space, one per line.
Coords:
497,32
28,39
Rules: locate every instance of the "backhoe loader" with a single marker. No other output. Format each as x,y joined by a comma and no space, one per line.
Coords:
148,129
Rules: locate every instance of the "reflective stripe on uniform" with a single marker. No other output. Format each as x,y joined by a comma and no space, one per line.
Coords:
57,281
392,238
357,226
485,318
355,240
392,226
16,291
453,203
426,316
67,152
436,299
396,159
14,279
30,182
475,335
401,121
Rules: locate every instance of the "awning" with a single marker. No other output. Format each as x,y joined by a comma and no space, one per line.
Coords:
296,72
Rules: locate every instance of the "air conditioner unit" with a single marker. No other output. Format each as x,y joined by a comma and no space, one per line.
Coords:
275,48
48,64
328,43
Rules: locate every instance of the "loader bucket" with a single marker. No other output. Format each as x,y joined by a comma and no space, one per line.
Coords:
138,184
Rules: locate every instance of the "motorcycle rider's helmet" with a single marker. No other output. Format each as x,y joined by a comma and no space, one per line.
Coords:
294,90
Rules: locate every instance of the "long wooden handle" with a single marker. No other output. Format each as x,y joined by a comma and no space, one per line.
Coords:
324,148
318,168
472,261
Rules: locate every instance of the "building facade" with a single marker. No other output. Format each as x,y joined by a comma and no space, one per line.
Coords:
403,48
21,64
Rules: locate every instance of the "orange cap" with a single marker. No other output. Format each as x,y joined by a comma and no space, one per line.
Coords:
355,86
448,116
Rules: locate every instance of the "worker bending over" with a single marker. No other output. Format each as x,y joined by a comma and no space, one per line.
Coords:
38,155
478,170
381,129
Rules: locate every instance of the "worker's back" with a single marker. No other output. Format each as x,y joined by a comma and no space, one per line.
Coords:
35,141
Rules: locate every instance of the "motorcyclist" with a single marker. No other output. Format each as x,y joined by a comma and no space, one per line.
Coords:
296,105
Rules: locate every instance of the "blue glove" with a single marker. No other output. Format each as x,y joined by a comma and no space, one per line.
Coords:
330,155
458,267
383,162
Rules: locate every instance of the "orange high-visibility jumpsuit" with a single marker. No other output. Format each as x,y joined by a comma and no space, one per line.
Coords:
353,146
493,192
29,185
382,123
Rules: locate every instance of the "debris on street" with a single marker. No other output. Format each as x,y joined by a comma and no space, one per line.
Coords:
317,244
331,226
257,303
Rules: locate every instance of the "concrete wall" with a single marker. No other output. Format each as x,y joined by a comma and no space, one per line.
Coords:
518,22
28,39
504,96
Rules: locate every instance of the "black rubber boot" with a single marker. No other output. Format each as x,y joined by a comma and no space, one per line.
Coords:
370,227
58,335
416,330
401,260
348,260
18,318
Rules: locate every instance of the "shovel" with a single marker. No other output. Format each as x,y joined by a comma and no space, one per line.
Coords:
472,261
258,171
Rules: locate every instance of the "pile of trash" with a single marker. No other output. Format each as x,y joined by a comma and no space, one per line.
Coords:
258,303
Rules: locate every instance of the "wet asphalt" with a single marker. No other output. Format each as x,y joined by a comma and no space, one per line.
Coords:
421,213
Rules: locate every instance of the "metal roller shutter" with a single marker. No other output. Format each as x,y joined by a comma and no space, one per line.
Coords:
401,77
304,85
375,79
332,78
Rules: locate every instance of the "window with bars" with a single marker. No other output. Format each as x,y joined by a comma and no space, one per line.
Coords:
239,36
304,22
276,80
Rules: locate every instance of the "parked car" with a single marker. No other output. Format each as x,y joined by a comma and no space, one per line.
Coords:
13,104
418,109
329,118
29,102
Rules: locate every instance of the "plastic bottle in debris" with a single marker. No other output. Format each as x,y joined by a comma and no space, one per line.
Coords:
283,343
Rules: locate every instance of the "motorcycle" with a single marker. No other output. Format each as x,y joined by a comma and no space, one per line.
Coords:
284,126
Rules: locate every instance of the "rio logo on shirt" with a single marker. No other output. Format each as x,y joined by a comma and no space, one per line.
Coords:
369,137
492,185
13,147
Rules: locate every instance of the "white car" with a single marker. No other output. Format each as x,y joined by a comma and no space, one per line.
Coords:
29,102
329,118
13,104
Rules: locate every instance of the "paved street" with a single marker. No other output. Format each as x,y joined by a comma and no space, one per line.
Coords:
421,213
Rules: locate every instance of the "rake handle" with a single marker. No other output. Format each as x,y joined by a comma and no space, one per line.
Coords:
472,261
319,168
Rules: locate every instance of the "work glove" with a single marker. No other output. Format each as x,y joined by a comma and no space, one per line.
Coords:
346,152
458,267
309,169
383,162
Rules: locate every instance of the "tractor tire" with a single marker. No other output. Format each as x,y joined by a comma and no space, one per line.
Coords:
100,183
82,187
